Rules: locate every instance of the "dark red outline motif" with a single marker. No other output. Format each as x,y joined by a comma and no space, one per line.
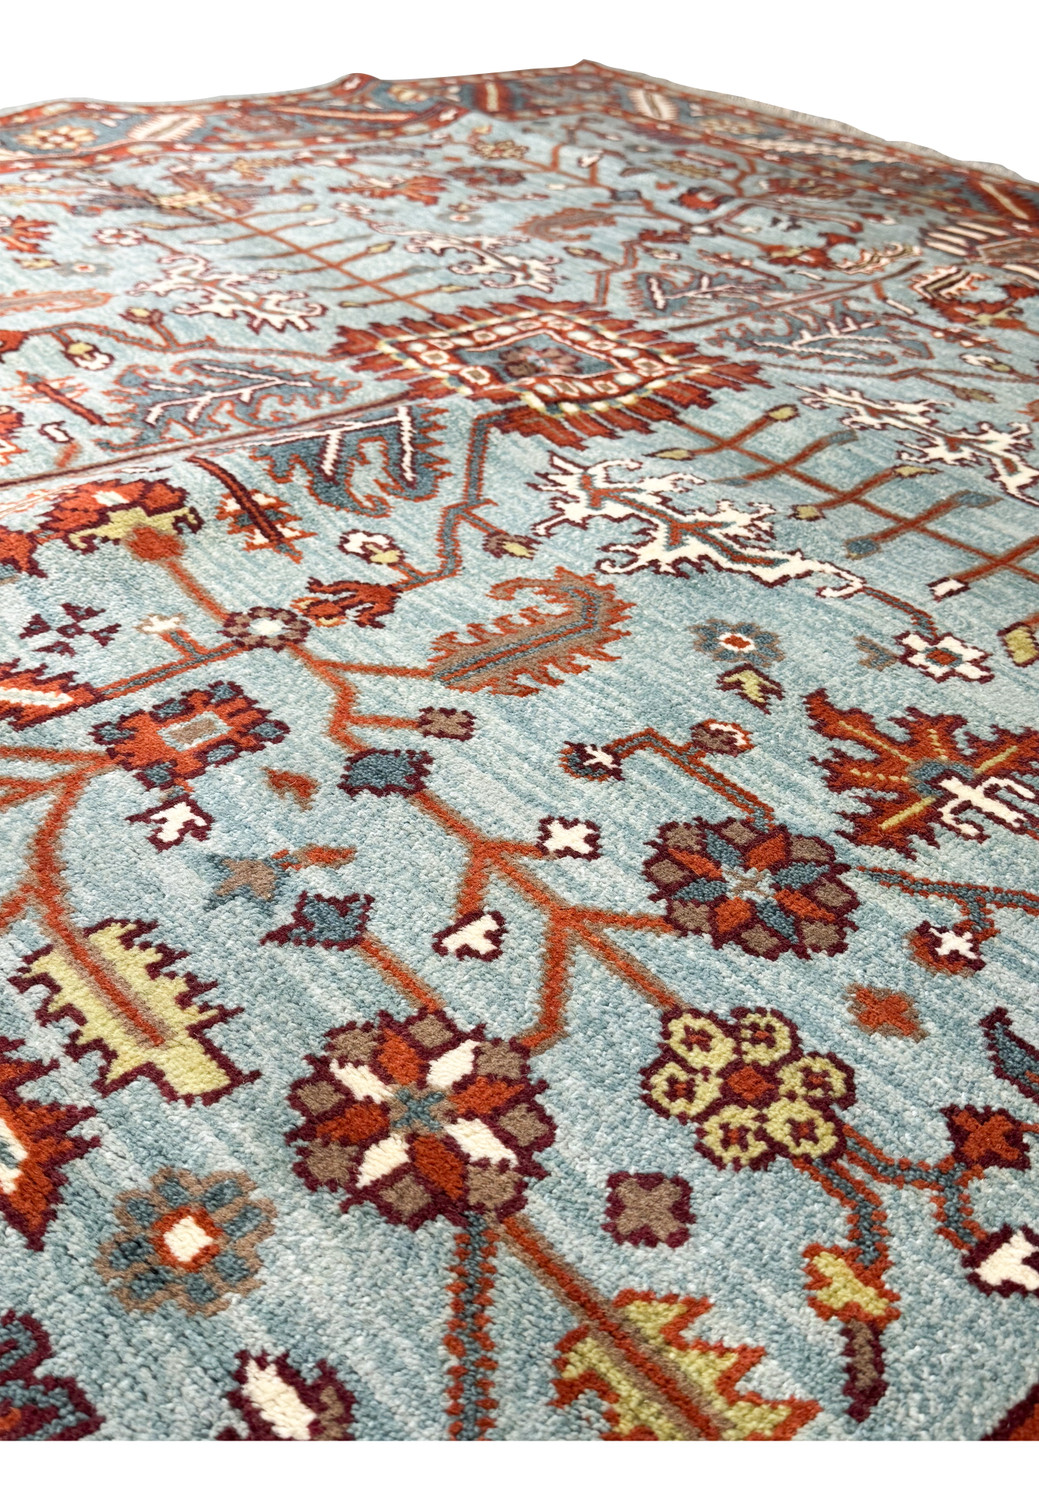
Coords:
566,824
24,981
300,931
18,1421
137,742
1020,1424
986,1137
436,1177
419,763
816,910
197,827
1026,1080
433,723
679,1208
988,1246
320,1396
467,950
43,1129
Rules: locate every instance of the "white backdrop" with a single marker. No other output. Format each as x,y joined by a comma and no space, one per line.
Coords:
955,75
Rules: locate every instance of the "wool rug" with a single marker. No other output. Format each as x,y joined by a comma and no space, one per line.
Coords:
518,880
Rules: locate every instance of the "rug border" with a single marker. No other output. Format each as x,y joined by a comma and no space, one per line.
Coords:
992,169
801,118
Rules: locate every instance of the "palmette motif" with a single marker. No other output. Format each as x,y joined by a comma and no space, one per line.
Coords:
520,771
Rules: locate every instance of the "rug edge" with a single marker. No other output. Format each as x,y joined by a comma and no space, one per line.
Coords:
822,122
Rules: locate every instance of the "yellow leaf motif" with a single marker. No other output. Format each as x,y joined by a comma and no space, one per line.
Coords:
751,685
697,1398
842,1287
126,1005
634,1412
121,520
1021,643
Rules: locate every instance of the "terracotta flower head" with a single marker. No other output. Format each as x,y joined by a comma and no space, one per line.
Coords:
767,889
421,1120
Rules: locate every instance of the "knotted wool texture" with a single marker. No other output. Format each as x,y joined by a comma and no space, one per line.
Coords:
519,896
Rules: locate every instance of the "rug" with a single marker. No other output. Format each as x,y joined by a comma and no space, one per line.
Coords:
518,877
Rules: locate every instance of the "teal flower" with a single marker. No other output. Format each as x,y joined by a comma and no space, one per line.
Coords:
186,1240
383,772
744,643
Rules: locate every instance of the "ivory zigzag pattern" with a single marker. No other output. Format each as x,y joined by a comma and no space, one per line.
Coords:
518,885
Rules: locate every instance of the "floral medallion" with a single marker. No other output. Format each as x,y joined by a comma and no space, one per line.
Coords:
767,889
421,1120
749,1088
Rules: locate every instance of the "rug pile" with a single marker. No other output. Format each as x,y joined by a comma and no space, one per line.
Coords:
519,807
